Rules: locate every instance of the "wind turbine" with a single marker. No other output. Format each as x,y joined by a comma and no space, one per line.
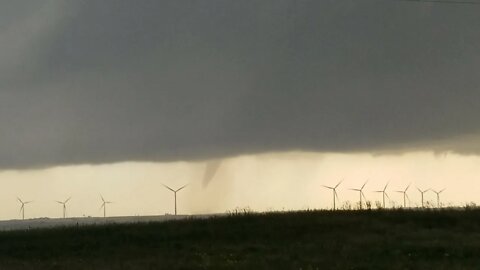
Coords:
22,208
438,196
422,192
175,194
360,190
405,196
64,203
104,206
384,193
335,195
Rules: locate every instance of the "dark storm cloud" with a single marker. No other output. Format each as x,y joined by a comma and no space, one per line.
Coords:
107,81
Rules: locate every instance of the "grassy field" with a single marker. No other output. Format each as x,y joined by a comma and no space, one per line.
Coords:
395,239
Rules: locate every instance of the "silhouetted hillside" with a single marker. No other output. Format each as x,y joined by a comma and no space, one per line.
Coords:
396,239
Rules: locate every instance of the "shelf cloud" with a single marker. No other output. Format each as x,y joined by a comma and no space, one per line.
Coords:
111,81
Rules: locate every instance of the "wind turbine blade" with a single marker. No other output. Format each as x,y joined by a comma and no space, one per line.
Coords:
168,187
338,184
364,184
59,202
420,190
67,200
327,187
406,195
336,195
378,191
399,191
385,188
102,198
19,200
356,189
408,187
363,195
181,188
28,202
101,206
386,195
442,190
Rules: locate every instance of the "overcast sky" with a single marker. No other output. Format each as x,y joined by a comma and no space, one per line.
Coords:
109,81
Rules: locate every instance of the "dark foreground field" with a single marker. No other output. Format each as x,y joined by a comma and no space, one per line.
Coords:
448,239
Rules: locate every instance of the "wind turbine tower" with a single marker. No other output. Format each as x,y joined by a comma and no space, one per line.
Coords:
175,194
438,196
64,203
360,190
22,208
104,206
335,195
405,196
384,193
422,192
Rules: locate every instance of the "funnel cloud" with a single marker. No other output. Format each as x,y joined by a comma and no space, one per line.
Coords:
111,81
211,169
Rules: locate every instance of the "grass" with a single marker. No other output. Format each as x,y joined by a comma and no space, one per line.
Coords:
393,239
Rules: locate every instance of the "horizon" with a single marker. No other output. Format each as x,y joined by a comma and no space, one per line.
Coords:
239,182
